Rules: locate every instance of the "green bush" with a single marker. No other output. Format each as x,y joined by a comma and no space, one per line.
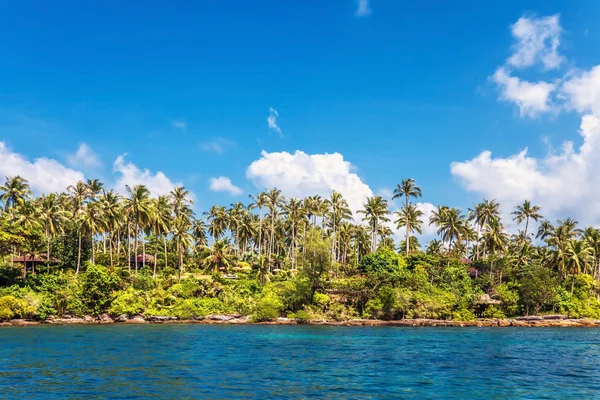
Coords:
267,309
12,307
301,316
129,302
493,312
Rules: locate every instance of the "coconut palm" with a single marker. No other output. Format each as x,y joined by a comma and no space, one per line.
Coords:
407,189
591,236
52,217
94,188
138,207
451,224
339,211
525,212
578,254
262,273
259,201
219,256
26,215
409,217
217,221
375,211
14,191
434,247
274,202
294,213
182,238
92,222
112,211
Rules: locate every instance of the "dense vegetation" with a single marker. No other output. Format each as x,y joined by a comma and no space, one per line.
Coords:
304,258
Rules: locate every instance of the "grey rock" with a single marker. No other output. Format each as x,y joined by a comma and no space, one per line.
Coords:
122,318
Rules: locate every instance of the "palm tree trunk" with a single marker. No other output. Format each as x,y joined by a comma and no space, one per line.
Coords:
110,249
103,242
260,219
93,250
165,245
128,248
135,247
143,250
78,251
48,248
155,255
526,225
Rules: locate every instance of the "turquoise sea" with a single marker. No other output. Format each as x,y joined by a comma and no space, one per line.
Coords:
220,361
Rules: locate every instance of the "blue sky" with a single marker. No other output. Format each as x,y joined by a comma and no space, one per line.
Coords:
404,90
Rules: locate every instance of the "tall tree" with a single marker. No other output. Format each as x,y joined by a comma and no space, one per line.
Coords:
525,212
409,217
407,189
375,211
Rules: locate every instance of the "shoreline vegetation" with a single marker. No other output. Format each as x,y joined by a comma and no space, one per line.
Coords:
89,255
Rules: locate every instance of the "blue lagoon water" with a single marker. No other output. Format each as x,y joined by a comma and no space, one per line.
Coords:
211,361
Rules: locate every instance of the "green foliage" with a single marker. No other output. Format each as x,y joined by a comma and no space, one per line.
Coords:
383,260
12,307
97,285
301,316
267,309
129,302
493,312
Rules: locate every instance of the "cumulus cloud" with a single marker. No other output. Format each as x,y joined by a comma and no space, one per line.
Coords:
300,174
564,183
130,174
272,121
44,174
179,124
216,145
84,157
363,8
581,92
223,184
537,40
532,98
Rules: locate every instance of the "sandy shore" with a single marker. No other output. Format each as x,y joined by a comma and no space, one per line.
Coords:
531,321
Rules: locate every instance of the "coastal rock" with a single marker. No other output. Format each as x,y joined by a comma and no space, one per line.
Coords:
530,318
23,322
5,323
223,318
88,319
105,319
555,316
504,322
138,319
122,318
160,318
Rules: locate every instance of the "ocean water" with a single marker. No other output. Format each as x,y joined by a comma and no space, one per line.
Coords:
221,361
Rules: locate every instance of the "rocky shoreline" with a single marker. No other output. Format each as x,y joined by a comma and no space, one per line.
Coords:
233,319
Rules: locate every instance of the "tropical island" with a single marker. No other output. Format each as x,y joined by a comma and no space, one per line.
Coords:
91,254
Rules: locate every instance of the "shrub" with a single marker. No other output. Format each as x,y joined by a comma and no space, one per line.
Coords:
301,316
267,309
493,312
129,302
11,307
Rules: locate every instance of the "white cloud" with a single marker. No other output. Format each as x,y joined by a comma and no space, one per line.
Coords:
272,121
130,174
537,41
300,174
582,92
564,184
363,8
179,124
84,157
44,175
217,145
532,98
223,184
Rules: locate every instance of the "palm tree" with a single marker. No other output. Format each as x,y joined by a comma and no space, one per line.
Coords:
112,211
217,221
262,274
94,188
161,223
93,222
525,212
138,206
592,238
409,217
219,257
27,216
577,255
182,238
52,217
451,224
79,193
375,212
545,230
259,201
407,189
274,201
293,211
339,211
14,191
434,247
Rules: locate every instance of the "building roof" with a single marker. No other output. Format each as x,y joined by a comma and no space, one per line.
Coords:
140,258
38,258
